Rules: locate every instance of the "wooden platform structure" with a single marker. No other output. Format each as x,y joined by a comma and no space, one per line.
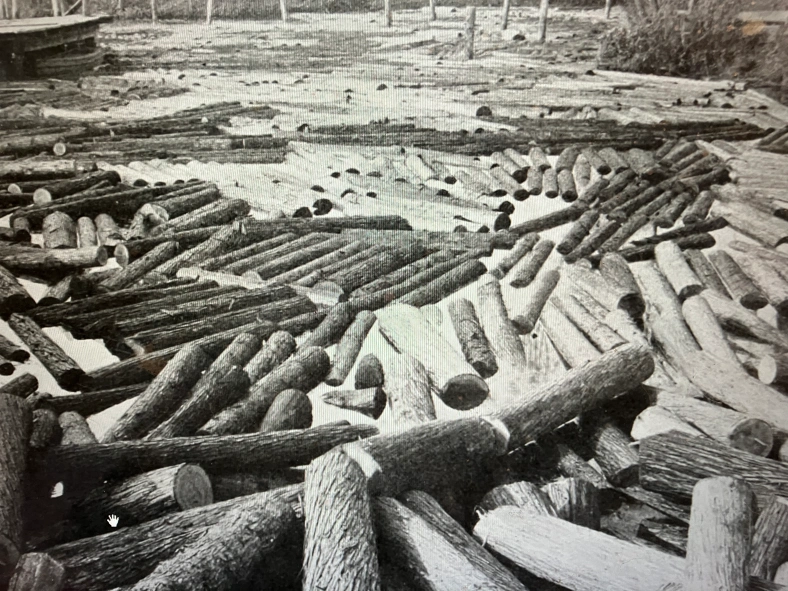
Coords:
21,40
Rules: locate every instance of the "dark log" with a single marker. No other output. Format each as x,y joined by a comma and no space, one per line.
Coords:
523,246
671,212
281,264
52,264
21,228
13,297
618,182
643,163
680,149
349,346
222,261
279,346
284,247
59,231
58,190
575,500
550,220
566,185
37,571
368,401
596,237
634,196
672,463
612,451
444,285
720,527
302,323
408,392
369,372
474,343
219,212
303,371
16,422
646,251
769,539
386,261
773,370
130,249
331,329
453,379
704,269
21,386
37,170
76,430
339,546
531,306
167,390
90,403
224,240
502,240
291,409
64,369
596,161
46,429
700,167
190,199
525,271
222,384
592,191
141,266
708,225
321,263
618,295
317,275
698,210
752,222
243,539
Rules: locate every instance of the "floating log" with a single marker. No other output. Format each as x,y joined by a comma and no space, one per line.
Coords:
646,251
59,292
566,159
769,539
321,263
550,183
369,372
508,184
303,371
578,231
474,343
453,379
519,173
444,285
216,213
532,305
368,401
667,217
523,246
533,184
291,409
209,245
575,500
16,421
525,271
618,295
572,345
281,264
191,199
223,261
595,239
340,549
279,346
386,261
349,347
37,571
13,297
718,545
52,191
107,231
167,390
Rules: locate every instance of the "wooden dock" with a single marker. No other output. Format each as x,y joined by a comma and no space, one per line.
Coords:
21,41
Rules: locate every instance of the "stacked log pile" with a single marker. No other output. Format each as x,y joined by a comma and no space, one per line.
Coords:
613,421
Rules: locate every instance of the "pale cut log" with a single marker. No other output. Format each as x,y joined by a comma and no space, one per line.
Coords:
750,221
751,352
473,341
770,539
46,430
223,383
613,453
229,551
719,535
602,336
291,409
16,422
37,571
781,576
614,268
523,494
768,279
368,401
773,371
661,295
167,390
676,270
453,379
672,463
21,386
723,424
523,246
575,349
528,309
340,549
146,496
125,556
64,369
303,371
707,332
408,392
140,267
575,500
279,346
737,319
611,295
349,346
550,183
76,430
705,271
369,372
571,465
526,270
581,172
428,509
507,185
658,419
572,556
51,264
59,231
534,182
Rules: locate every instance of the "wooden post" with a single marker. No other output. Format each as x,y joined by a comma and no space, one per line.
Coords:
339,546
720,533
505,14
387,12
470,24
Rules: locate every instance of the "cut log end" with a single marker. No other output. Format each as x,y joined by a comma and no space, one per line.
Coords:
752,435
464,392
41,196
192,487
121,254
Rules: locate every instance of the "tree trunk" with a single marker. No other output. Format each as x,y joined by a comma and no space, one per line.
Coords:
277,348
216,213
331,329
348,348
770,539
37,572
719,535
681,277
768,279
12,352
258,254
474,343
758,225
566,185
595,239
57,190
339,548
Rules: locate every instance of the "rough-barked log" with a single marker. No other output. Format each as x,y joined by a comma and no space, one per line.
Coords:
277,265
718,544
473,341
680,150
612,451
595,239
224,260
519,494
699,209
333,326
46,430
198,196
750,221
453,379
567,157
571,465
528,309
708,225
223,240
769,539
53,191
617,183
614,160
550,183
526,270
141,266
59,231
21,386
303,371
12,352
21,228
37,571
572,345
516,171
279,346
523,246
613,295
705,271
349,346
534,182
59,292
575,500
592,191
291,409
677,271
23,170
442,286
707,332
254,255
76,430
125,251
368,401
646,251
766,277
667,217
107,231
502,240
773,370
578,231
600,334
507,185
216,213
302,323
550,220
167,390
386,261
366,253
50,264
566,186
146,220
369,372
16,422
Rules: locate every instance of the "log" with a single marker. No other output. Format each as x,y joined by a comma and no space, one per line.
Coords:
59,231
37,571
279,346
550,220
566,159
59,292
223,261
667,217
595,239
470,25
676,270
720,527
191,198
339,544
769,539
444,285
386,261
368,252
46,430
571,344
12,352
52,264
36,170
90,403
408,392
331,329
529,308
291,409
517,172
64,369
533,183
107,231
21,386
58,190
369,372
453,379
217,213
243,539
698,210
768,279
16,422
140,267
76,430
737,319
572,556
705,271
525,271
612,451
618,294
303,371
566,185
575,500
523,246
223,383
672,463
21,228
773,370
521,494
278,265
147,221
600,334
368,401
707,332
219,242
613,159
473,341
727,426
349,347
167,390
758,225
578,231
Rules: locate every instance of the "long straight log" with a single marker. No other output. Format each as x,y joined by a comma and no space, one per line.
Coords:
767,278
572,345
52,191
525,271
528,309
52,264
473,341
408,392
705,271
140,267
550,220
440,287
21,386
279,346
675,268
737,319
